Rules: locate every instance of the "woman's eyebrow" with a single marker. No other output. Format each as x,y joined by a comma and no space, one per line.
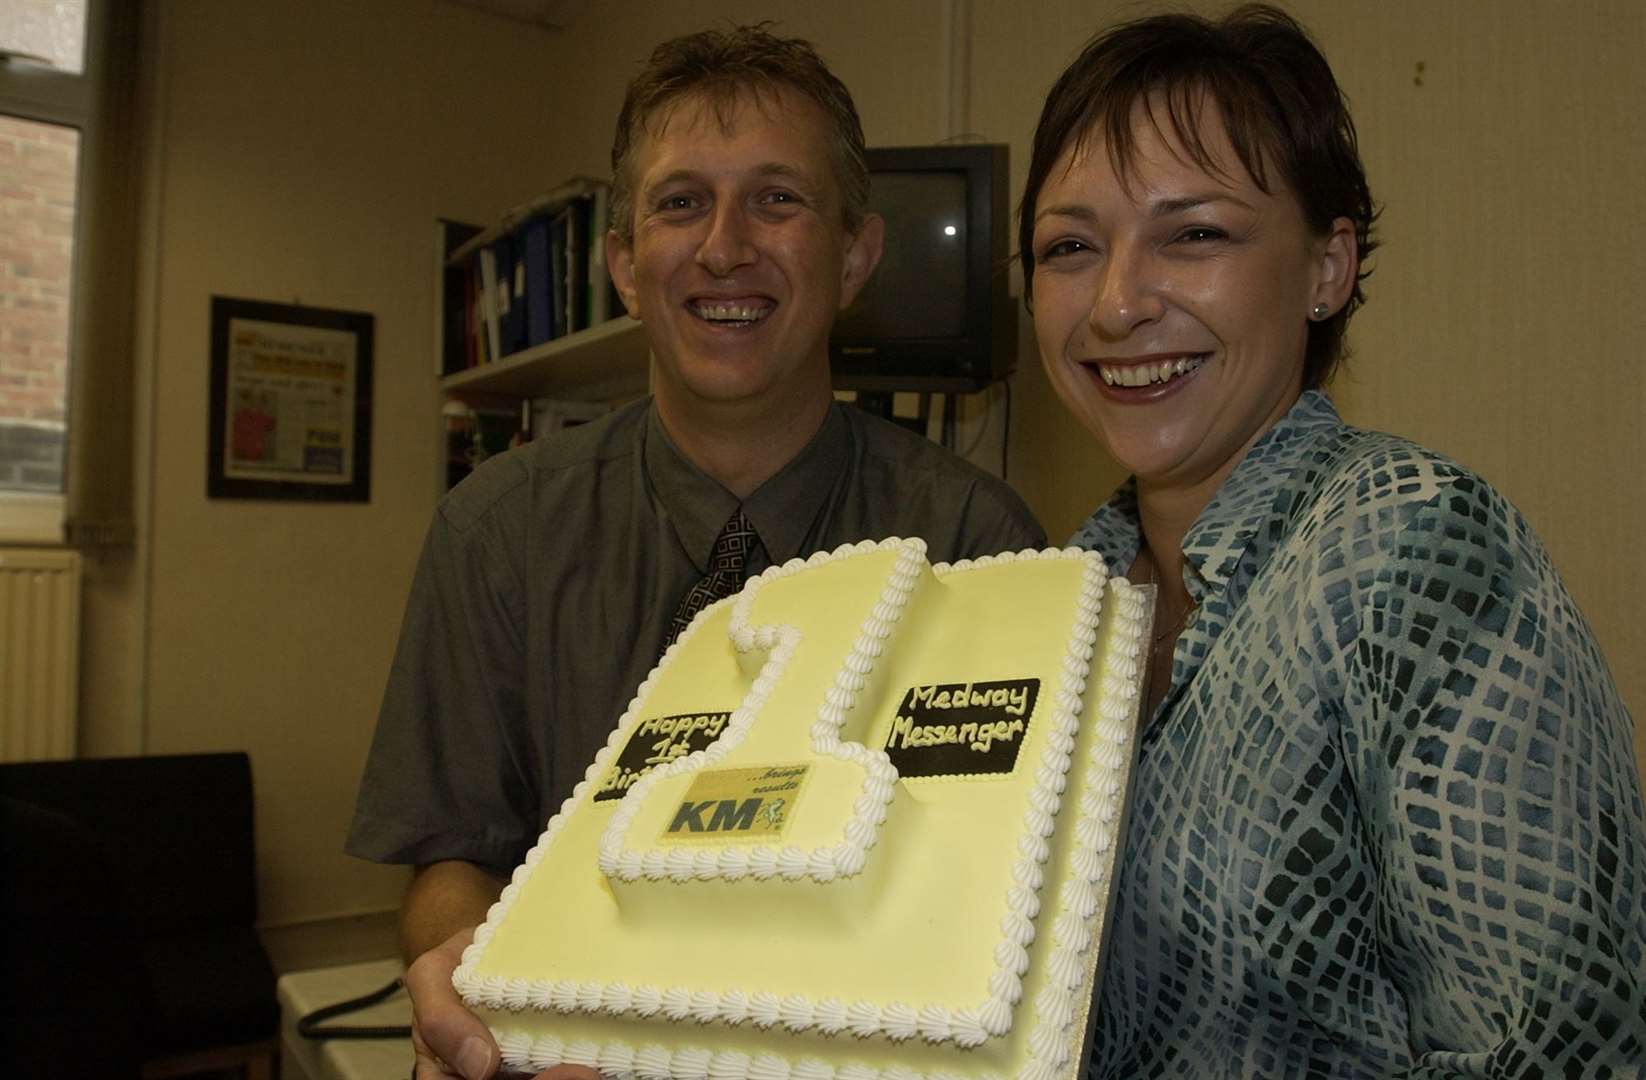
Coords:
1077,211
1160,209
1167,207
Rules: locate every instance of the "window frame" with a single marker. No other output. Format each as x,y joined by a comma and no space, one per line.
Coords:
45,95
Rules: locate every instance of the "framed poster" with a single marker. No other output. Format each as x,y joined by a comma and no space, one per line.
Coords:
290,402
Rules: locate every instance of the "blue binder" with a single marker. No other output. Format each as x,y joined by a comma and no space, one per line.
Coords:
539,283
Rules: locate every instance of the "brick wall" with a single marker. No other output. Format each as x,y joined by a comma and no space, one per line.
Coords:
37,174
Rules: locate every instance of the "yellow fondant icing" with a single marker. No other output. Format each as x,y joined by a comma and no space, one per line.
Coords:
932,924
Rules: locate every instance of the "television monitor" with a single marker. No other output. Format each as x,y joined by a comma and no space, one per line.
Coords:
936,315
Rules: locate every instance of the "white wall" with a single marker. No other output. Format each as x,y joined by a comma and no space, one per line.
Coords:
305,149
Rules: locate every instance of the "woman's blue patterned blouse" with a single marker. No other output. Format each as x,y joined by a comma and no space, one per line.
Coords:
1387,820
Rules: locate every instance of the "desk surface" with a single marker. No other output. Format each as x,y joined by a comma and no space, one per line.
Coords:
302,992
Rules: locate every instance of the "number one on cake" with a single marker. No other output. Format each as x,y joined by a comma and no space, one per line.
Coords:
859,822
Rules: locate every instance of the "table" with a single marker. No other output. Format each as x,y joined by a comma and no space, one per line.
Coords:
302,992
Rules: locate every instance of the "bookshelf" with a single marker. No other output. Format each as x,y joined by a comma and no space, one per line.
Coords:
527,317
608,362
527,309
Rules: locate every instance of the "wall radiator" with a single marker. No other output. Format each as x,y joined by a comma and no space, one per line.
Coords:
39,653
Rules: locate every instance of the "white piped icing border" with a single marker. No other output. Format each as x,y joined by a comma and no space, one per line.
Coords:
822,864
1085,891
1078,903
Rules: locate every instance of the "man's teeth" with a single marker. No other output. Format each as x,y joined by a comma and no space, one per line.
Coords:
1145,374
731,312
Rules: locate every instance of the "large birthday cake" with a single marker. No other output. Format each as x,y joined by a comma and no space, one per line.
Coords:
859,822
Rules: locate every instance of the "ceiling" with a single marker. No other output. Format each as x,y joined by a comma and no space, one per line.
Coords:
552,13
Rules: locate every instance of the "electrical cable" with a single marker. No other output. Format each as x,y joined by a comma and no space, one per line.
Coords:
309,1026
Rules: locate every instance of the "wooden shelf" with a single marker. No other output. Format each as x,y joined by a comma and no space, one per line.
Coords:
576,188
603,363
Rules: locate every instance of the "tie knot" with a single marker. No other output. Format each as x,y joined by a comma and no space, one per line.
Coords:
727,562
731,548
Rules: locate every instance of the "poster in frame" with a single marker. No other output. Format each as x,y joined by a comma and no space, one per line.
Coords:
291,395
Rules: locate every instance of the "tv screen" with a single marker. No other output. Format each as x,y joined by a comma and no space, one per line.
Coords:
919,289
936,315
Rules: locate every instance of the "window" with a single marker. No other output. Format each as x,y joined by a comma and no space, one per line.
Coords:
47,120
49,32
37,205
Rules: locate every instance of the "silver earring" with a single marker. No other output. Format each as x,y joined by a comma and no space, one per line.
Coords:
1318,312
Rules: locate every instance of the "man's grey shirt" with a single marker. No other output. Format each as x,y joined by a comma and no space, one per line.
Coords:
545,589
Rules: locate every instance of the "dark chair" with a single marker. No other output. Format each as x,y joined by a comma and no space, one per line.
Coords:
133,880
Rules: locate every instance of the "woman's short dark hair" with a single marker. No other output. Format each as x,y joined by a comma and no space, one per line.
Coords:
1278,101
721,66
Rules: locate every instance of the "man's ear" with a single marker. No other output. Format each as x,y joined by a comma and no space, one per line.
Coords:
1339,262
620,264
863,250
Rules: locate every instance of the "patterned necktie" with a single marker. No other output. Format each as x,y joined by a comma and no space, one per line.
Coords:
725,576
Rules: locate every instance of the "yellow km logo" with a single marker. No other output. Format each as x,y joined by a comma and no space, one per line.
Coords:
796,671
729,815
745,802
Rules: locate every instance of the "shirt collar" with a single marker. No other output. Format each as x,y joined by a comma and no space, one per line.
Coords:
784,507
781,509
1114,531
693,501
1234,523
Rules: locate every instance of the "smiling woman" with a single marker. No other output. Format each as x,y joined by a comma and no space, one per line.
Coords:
1387,821
1172,300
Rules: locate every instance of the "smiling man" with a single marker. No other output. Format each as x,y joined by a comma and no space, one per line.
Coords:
738,242
554,576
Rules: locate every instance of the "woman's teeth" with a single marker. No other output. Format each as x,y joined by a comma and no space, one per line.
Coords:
1145,374
731,313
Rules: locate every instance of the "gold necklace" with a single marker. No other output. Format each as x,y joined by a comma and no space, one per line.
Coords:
1182,618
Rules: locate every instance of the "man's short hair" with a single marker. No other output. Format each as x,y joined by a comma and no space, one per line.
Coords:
720,67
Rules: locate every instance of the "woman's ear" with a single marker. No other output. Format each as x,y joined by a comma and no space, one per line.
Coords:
1338,266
